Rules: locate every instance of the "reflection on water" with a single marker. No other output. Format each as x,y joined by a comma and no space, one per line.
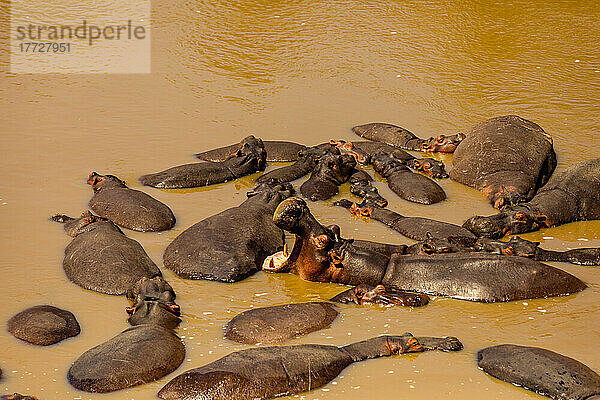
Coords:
307,72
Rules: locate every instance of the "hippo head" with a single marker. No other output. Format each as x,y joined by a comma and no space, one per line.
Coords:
442,143
509,221
97,181
313,255
17,396
272,191
384,163
367,294
77,226
516,246
433,245
251,151
153,303
428,167
336,168
348,148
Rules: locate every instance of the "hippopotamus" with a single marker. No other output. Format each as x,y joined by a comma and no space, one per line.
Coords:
127,207
248,159
406,184
403,138
507,158
367,294
320,255
17,396
573,195
415,228
153,303
233,244
330,172
277,151
542,371
360,185
43,325
101,258
138,355
524,248
268,372
278,324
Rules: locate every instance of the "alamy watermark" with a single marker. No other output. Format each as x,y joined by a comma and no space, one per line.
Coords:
79,40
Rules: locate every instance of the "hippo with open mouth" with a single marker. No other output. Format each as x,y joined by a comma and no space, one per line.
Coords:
248,159
268,372
319,254
507,158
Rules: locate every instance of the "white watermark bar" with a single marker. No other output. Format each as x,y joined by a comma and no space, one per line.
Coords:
75,37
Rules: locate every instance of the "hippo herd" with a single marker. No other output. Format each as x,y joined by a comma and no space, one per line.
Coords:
509,159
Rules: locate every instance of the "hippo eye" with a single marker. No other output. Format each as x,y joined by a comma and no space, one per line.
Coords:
441,138
445,250
417,164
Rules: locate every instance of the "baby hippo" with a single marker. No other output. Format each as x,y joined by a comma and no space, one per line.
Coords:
127,207
367,294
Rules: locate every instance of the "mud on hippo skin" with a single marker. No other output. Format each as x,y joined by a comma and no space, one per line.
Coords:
367,294
405,183
233,244
268,372
572,195
277,151
507,158
330,172
127,207
153,303
542,371
248,159
101,258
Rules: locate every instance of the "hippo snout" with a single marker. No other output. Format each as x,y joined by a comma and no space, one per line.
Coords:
484,227
288,213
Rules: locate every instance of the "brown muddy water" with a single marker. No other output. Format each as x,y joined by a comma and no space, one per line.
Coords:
304,71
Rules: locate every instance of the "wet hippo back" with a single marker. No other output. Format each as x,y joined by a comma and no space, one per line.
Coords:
103,259
508,158
540,370
479,277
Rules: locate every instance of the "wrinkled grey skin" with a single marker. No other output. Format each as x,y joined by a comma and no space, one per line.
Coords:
572,195
396,136
319,254
360,185
127,207
233,244
153,303
101,258
405,183
17,396
138,355
508,158
542,371
250,158
278,324
367,294
330,172
307,161
479,277
415,228
43,325
277,151
267,372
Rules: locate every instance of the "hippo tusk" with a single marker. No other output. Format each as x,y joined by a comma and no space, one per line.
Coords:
277,262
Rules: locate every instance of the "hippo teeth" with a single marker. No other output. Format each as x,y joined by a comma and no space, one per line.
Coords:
276,262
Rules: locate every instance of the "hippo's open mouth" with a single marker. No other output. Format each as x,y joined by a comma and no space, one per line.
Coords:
277,262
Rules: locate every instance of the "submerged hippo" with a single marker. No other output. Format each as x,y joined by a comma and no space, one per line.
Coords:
542,371
403,138
278,324
17,396
138,355
330,172
101,258
405,183
277,151
360,185
127,207
367,294
306,163
267,372
248,159
320,255
415,228
507,158
233,244
573,195
43,325
153,303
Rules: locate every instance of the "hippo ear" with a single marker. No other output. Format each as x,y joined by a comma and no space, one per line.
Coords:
542,220
520,216
508,251
440,139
